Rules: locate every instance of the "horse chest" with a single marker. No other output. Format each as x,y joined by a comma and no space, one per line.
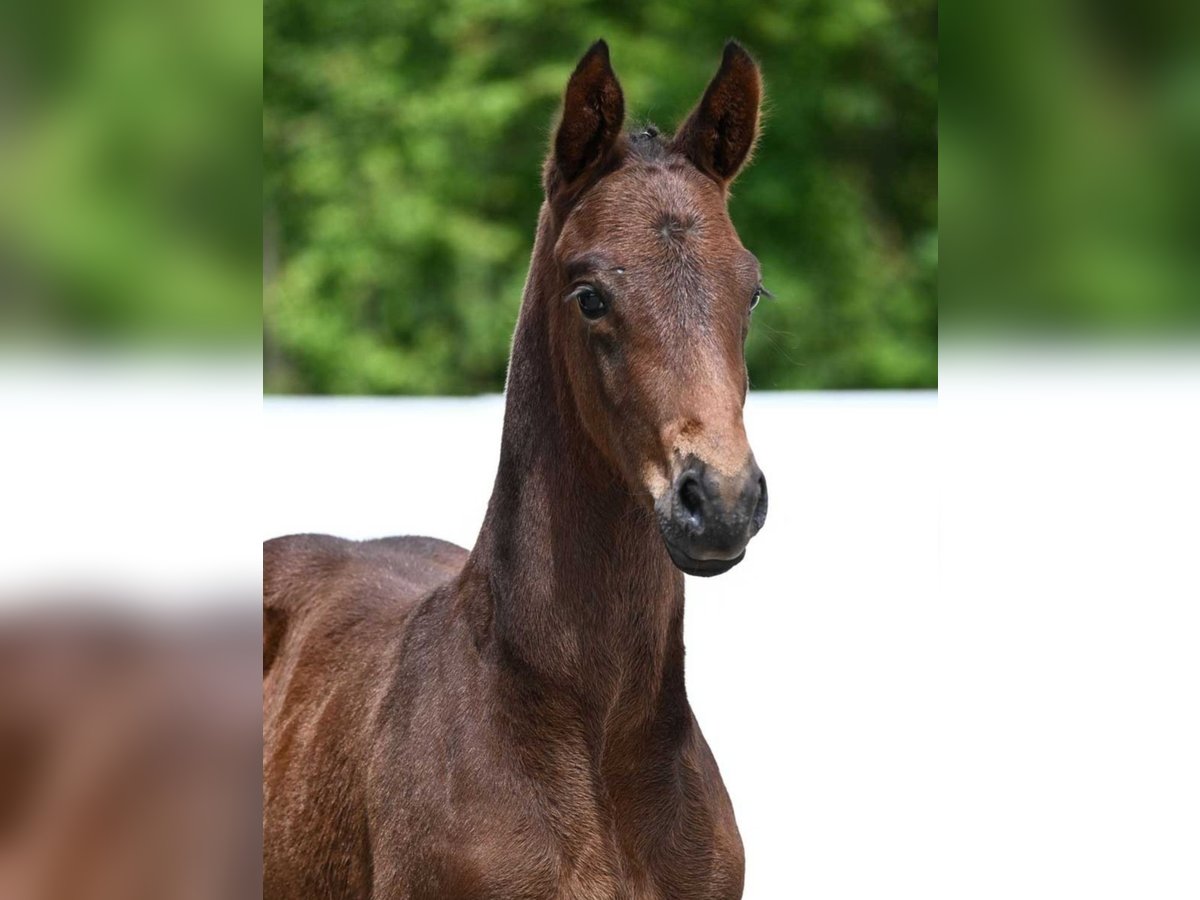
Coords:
511,859
491,877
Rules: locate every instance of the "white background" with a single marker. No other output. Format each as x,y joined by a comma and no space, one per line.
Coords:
800,663
961,661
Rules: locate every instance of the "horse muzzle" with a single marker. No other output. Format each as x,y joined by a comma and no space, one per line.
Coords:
707,518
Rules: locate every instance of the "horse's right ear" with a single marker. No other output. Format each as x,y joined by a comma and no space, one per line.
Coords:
592,115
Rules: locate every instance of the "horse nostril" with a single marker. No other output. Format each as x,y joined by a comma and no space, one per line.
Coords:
691,498
760,510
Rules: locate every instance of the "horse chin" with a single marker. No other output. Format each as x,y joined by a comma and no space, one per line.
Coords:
702,568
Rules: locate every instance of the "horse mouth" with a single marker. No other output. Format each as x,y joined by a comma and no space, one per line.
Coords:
703,568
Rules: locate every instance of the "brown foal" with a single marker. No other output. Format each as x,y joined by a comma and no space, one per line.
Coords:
512,723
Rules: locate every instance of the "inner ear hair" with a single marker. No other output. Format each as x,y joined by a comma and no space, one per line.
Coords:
718,137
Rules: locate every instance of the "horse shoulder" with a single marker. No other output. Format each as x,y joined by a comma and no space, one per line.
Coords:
335,616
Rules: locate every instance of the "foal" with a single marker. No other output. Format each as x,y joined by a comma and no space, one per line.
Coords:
513,723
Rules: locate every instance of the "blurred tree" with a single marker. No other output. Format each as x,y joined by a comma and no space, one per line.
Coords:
402,150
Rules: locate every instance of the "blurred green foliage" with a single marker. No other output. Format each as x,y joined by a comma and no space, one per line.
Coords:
1069,182
129,173
402,150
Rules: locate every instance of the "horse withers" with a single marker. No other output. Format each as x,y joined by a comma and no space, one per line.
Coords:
512,722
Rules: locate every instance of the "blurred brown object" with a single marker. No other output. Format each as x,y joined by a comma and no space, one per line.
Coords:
129,757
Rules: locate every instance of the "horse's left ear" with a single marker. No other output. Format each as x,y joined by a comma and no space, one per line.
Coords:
719,134
592,115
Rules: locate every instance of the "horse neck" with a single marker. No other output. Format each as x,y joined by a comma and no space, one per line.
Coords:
583,598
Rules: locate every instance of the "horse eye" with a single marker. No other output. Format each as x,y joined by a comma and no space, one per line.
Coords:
759,293
591,303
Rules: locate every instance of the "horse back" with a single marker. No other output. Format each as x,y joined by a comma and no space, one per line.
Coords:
306,575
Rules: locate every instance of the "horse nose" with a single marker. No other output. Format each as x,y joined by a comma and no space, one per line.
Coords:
715,515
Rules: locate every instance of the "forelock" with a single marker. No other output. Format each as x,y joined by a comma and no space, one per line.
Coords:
647,144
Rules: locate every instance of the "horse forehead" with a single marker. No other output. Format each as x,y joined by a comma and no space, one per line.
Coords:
643,210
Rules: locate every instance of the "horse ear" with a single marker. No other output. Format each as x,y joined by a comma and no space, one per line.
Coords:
719,134
593,112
